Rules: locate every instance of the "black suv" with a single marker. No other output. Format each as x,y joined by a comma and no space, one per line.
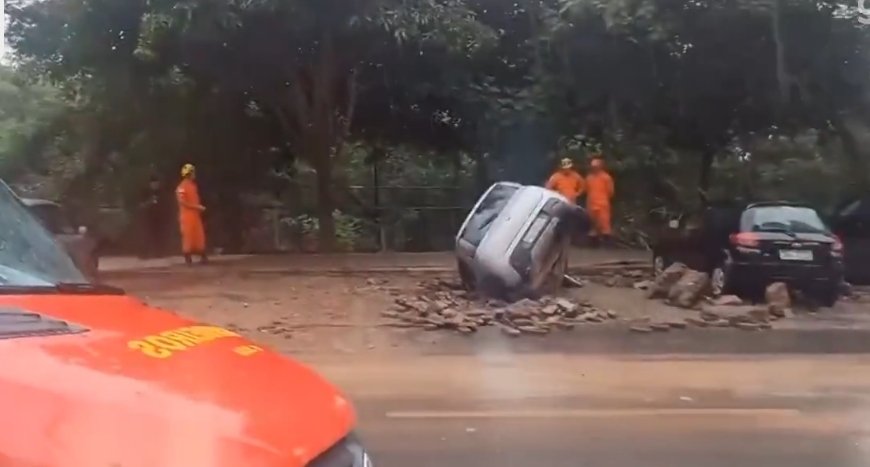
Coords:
745,248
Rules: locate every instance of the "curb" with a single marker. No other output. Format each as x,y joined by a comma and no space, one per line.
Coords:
413,270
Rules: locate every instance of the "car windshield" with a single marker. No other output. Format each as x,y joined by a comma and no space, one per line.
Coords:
789,219
29,255
487,212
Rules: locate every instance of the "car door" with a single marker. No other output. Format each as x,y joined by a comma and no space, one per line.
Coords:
719,223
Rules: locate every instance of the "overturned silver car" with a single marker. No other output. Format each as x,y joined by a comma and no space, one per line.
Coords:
514,242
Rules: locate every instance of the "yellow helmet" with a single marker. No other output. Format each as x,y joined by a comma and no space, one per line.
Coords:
187,169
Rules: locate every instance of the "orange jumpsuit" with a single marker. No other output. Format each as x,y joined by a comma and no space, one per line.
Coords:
190,218
567,183
599,186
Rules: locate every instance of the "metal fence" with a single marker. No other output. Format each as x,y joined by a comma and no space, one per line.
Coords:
397,218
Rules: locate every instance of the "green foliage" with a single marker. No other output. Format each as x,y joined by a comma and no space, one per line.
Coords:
28,113
348,229
447,92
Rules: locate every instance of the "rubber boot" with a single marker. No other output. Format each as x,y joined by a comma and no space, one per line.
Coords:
188,260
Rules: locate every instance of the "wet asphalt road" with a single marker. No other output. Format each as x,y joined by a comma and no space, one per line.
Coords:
497,407
660,441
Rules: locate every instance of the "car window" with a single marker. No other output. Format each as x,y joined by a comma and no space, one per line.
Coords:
487,212
54,219
791,219
29,254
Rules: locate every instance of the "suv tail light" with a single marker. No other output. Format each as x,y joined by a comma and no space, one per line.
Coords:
745,239
837,247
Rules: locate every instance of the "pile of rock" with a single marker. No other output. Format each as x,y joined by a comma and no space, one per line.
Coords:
685,288
680,286
442,305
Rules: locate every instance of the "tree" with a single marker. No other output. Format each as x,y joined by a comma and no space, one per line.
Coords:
300,63
31,115
666,87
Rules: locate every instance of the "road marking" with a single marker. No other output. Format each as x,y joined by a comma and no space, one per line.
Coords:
596,413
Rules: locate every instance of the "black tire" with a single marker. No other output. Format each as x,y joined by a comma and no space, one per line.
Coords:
554,281
722,278
659,263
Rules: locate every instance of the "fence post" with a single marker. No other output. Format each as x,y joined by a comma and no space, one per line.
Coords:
382,234
276,231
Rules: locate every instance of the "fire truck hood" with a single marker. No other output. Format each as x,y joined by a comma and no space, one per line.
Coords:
91,380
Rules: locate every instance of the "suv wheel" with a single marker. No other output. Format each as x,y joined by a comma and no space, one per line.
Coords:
721,278
660,263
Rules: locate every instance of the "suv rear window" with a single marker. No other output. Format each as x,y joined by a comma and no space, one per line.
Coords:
487,212
792,219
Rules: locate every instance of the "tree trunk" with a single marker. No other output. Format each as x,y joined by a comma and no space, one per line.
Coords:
856,169
706,175
325,204
782,77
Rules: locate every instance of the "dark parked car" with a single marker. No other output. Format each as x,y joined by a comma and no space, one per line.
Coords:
77,241
851,222
747,247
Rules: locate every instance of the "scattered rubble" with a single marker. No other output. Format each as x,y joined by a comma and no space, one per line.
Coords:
624,278
442,304
573,282
727,300
685,288
643,285
735,314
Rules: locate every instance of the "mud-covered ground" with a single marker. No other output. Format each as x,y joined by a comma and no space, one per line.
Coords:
322,314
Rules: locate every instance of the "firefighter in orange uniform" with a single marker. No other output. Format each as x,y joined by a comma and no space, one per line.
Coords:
190,211
566,181
599,193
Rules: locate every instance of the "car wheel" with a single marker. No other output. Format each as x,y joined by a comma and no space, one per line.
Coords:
721,279
466,275
660,263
